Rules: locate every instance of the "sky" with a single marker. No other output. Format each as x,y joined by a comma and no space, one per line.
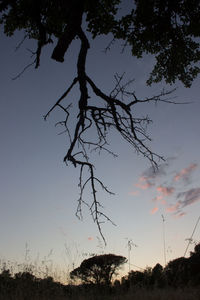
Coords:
39,193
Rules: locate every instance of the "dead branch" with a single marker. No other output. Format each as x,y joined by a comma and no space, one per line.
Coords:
103,113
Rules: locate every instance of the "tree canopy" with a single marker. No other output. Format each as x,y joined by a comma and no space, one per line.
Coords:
169,30
98,269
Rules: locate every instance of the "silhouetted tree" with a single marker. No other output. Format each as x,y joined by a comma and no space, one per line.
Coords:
194,265
158,276
177,272
136,278
98,269
169,30
196,251
6,282
24,285
5,274
139,278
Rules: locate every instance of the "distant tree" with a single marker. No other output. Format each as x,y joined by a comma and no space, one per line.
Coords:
5,278
98,269
177,272
194,265
136,278
147,276
7,285
5,274
184,271
117,283
196,251
157,270
125,283
158,276
169,30
25,276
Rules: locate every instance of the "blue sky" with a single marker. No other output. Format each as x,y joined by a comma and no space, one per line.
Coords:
39,193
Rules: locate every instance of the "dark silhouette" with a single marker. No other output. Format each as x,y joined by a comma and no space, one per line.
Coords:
180,272
96,274
169,30
98,269
24,285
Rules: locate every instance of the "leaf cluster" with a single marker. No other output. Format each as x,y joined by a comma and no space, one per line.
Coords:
170,31
167,29
54,16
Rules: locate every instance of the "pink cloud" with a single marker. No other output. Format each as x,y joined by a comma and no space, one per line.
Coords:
173,208
144,183
149,177
154,210
163,202
189,197
134,193
181,214
158,198
185,173
165,191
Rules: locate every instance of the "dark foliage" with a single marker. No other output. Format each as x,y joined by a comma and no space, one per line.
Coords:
168,29
98,269
178,273
25,285
96,274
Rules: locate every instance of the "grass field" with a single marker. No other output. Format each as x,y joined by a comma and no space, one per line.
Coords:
27,281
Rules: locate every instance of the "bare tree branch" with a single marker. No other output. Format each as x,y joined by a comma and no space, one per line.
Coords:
25,68
103,113
61,98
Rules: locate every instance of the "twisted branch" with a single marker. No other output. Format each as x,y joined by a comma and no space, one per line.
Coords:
102,112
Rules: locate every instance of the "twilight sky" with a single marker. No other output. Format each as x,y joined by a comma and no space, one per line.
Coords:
39,193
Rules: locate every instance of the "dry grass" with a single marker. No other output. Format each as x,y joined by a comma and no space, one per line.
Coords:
142,294
165,294
29,292
48,290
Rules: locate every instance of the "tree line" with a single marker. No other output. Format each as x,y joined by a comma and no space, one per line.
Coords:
97,273
179,272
